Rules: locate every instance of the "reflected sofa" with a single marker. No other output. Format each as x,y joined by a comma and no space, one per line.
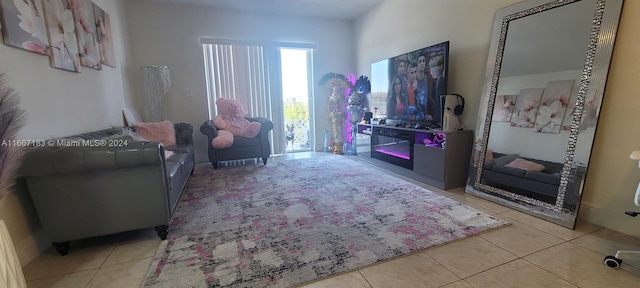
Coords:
544,183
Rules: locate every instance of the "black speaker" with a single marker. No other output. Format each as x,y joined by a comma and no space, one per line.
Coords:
367,117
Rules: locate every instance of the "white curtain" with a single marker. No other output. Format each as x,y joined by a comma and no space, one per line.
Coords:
250,74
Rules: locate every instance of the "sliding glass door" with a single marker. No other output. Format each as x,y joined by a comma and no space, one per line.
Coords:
273,79
297,98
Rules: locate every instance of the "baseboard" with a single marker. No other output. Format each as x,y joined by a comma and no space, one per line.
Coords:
30,248
614,220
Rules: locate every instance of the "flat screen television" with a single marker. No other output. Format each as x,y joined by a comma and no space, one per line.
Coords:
408,87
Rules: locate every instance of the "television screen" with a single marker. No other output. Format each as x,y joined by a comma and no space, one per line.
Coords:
408,87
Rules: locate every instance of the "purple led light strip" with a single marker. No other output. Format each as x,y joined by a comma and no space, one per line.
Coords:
392,153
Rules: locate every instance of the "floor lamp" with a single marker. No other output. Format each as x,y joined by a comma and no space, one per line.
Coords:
156,81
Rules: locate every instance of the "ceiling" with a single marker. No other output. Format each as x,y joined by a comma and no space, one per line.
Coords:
336,9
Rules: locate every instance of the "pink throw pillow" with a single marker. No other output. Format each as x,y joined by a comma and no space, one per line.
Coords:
162,132
526,165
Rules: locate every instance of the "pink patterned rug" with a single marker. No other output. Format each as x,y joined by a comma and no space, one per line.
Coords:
294,221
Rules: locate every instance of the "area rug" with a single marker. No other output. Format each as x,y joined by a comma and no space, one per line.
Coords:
294,221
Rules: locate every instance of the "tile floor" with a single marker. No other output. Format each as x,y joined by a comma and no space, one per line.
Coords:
529,253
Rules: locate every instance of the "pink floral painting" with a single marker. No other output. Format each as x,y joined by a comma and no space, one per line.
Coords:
103,24
553,106
571,107
503,107
86,32
62,35
526,109
23,25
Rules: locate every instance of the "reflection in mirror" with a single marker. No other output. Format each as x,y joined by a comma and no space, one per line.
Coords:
540,104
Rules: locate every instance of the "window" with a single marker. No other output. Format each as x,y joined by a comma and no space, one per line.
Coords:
250,72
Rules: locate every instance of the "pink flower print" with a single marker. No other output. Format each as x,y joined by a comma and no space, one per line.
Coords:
34,47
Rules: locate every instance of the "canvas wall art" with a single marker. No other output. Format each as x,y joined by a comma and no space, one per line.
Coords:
526,108
88,44
23,25
553,106
503,107
103,24
571,106
61,30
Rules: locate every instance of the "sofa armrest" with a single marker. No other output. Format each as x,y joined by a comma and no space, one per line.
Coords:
209,129
184,133
43,161
266,124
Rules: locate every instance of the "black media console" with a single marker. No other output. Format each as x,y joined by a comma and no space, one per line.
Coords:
437,158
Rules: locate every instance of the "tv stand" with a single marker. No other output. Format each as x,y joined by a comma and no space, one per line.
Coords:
440,159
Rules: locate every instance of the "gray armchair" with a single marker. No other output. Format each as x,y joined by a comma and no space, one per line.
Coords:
242,148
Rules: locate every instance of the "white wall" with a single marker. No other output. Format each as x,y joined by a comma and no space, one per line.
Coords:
60,103
612,177
399,26
525,141
168,34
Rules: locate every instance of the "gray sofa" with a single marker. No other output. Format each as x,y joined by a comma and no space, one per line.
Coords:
542,185
242,148
86,190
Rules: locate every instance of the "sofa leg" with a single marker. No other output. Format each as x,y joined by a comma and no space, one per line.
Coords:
215,165
162,231
62,247
264,160
192,170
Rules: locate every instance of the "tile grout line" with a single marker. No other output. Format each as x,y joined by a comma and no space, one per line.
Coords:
63,274
445,267
101,265
365,278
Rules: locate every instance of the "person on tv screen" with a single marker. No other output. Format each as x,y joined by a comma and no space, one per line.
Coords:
412,87
422,88
402,72
397,100
437,84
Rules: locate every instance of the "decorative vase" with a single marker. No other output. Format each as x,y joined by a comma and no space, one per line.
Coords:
355,110
337,115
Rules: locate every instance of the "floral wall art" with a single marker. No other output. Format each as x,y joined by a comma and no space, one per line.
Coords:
553,106
72,33
23,25
503,107
62,35
87,34
103,25
526,107
571,106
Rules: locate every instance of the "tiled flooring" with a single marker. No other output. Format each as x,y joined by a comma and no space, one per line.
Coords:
529,253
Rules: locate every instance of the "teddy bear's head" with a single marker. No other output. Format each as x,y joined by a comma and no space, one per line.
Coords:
231,107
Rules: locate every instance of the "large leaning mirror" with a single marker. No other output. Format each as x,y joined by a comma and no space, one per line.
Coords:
546,74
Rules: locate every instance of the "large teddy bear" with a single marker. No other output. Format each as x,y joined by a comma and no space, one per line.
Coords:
231,122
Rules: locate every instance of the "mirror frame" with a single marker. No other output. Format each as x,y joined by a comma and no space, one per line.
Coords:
592,83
